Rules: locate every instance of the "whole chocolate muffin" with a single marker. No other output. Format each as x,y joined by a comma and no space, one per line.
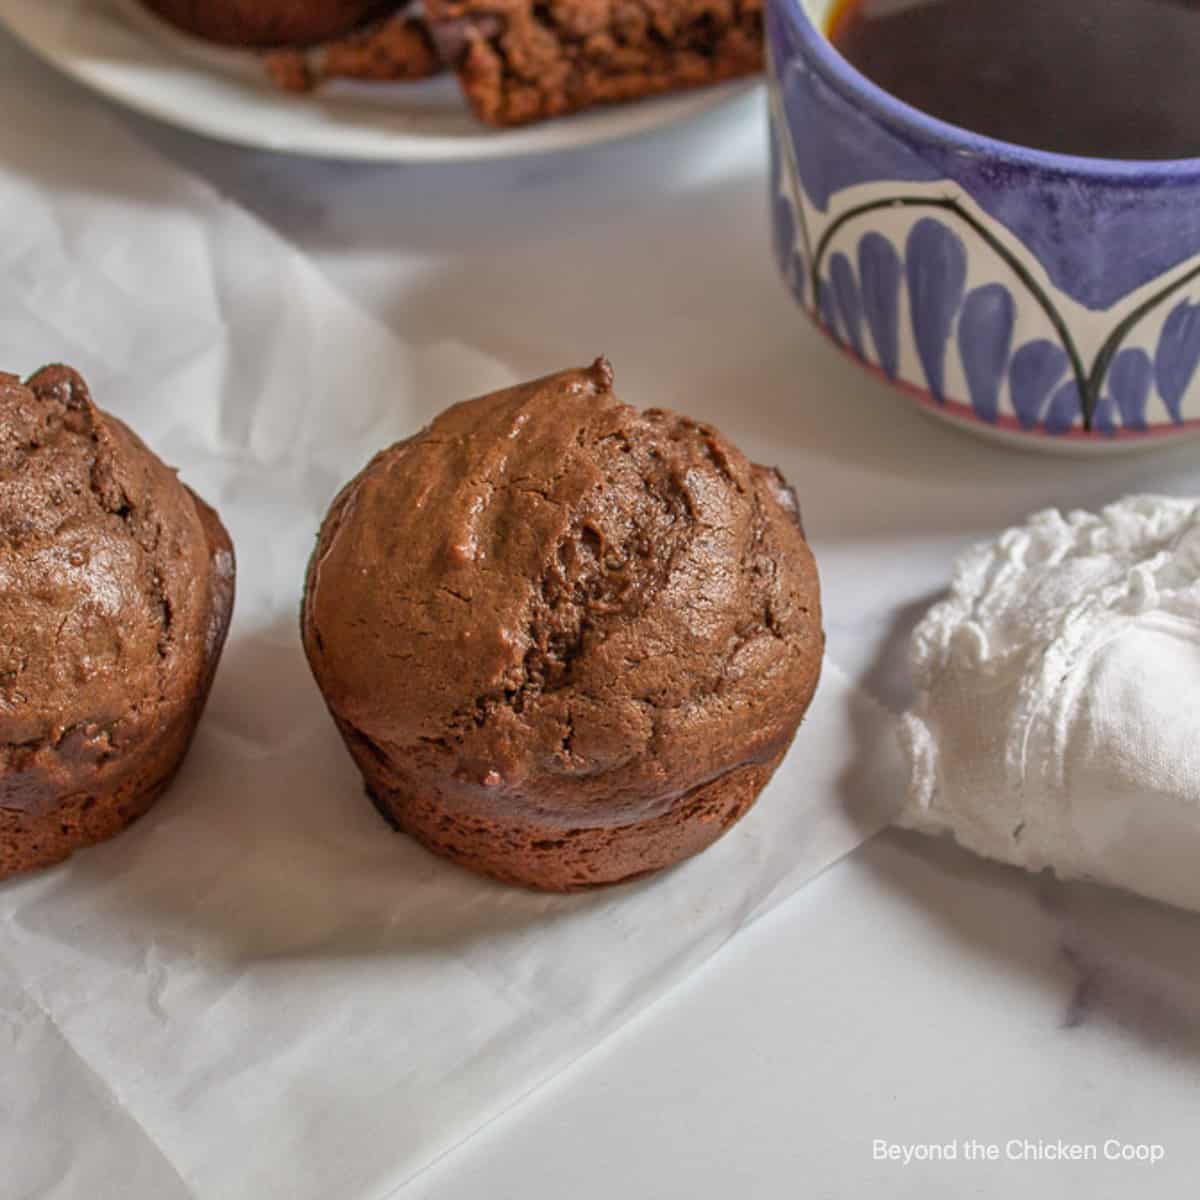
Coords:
567,642
268,22
116,588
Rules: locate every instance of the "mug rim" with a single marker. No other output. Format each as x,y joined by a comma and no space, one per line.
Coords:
896,112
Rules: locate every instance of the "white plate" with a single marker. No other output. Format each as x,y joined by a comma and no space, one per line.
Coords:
122,52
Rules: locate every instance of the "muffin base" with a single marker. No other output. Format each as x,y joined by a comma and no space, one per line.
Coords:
551,859
31,842
34,840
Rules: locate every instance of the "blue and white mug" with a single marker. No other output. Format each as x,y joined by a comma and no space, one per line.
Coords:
1035,296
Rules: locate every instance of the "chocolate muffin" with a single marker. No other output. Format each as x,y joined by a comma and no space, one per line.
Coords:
268,22
116,588
566,642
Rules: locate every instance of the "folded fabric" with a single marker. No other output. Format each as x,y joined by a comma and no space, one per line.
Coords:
1058,718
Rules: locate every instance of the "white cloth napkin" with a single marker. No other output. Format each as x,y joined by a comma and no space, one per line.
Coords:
1058,719
259,991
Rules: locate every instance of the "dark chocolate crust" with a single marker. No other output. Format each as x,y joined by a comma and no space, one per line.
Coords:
566,642
268,22
526,60
116,590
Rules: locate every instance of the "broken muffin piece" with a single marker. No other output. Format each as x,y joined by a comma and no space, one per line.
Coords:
520,61
397,48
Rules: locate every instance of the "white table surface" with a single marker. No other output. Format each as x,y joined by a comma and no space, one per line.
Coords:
912,993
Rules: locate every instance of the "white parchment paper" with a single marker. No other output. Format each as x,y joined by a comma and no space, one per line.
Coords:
260,991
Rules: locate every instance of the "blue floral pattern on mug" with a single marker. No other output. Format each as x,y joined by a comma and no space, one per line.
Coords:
909,270
879,270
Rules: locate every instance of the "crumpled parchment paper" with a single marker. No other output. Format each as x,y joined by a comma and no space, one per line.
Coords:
260,991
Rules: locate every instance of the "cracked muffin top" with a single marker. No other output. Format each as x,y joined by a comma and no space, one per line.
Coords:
583,609
107,585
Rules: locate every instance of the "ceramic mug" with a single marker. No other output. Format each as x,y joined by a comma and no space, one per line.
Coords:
1028,295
